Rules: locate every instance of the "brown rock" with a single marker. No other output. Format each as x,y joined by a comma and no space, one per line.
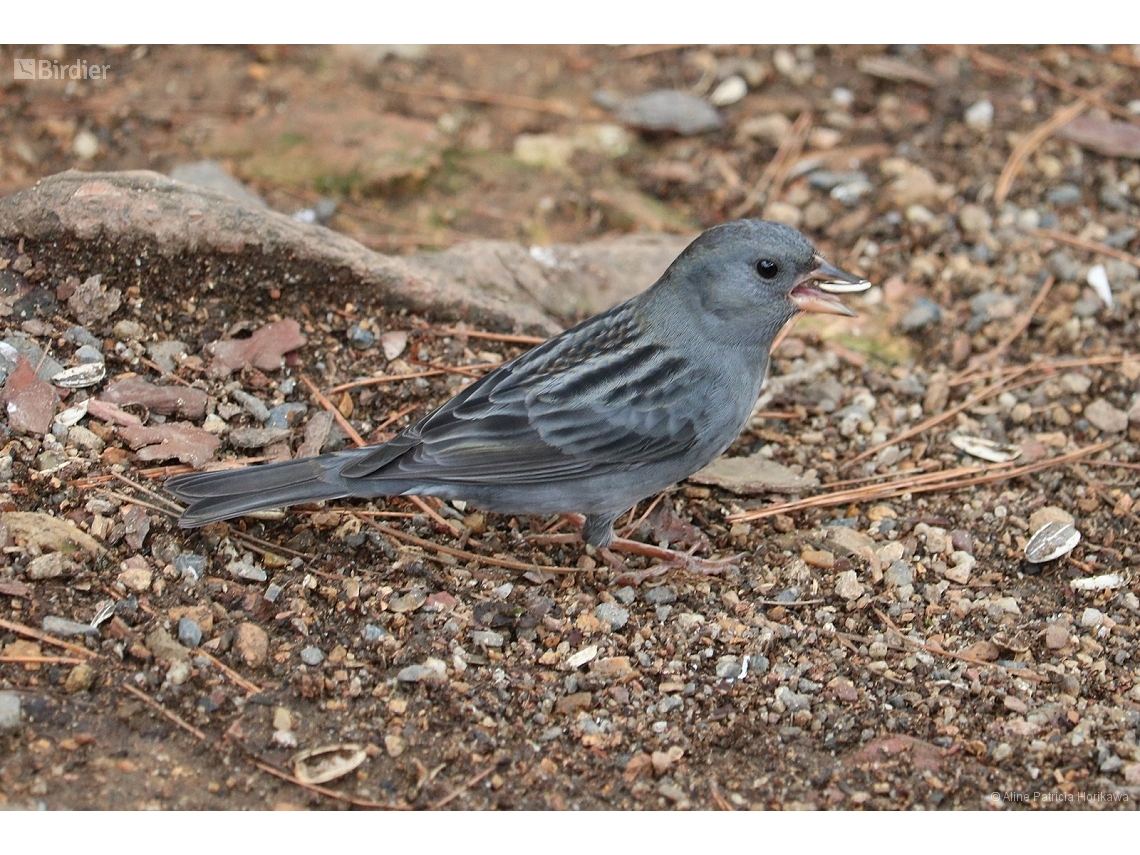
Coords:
79,679
181,401
574,702
251,644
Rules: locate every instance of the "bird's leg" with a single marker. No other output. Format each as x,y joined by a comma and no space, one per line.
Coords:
670,558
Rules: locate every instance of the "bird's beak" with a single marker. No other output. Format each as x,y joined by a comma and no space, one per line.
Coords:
813,292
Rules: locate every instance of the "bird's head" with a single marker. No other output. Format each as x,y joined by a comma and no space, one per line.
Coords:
755,271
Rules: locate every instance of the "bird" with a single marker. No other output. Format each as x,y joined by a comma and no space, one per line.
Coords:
593,420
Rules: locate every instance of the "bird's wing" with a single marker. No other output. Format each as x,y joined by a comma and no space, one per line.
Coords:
599,395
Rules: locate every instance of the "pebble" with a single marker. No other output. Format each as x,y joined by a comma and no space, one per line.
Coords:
79,679
669,110
487,638
613,614
792,701
922,314
166,353
1056,635
431,670
372,633
83,338
85,145
190,566
974,219
359,337
898,575
1064,194
54,625
625,594
980,115
285,416
1105,417
9,711
312,656
729,91
189,633
136,579
728,668
408,602
1092,618
963,566
848,586
771,128
251,404
661,595
251,644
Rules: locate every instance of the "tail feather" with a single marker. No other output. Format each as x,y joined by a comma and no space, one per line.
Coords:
214,496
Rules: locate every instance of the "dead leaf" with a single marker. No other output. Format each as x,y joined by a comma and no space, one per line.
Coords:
265,349
179,440
1110,137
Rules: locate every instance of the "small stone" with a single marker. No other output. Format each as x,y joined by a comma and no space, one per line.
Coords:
613,614
670,110
818,558
792,701
660,596
1103,416
728,668
771,128
487,638
189,633
898,575
980,115
963,566
408,602
79,679
1064,194
9,711
85,145
431,670
974,219
1076,383
372,633
312,656
922,314
848,586
729,91
251,644
395,744
136,579
1057,635
574,702
1092,618
663,761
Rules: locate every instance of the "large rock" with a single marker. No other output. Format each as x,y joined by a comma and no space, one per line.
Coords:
175,240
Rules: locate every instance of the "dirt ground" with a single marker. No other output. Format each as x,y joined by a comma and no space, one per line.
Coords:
887,646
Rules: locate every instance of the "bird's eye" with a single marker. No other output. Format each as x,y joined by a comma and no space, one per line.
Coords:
767,268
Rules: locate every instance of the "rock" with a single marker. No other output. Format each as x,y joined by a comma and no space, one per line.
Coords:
251,644
898,575
974,220
729,91
9,711
848,586
613,614
792,701
79,679
728,668
312,656
1105,417
189,633
980,115
1056,635
432,670
1048,514
85,145
211,174
136,579
1064,194
1091,618
669,110
922,314
771,128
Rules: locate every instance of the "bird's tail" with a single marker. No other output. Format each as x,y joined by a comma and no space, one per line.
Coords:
214,496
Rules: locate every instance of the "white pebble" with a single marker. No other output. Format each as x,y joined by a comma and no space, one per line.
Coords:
730,90
980,115
1098,279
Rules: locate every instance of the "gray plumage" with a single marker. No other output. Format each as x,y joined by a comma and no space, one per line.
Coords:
593,420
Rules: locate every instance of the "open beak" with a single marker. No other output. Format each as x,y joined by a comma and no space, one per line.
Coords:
814,292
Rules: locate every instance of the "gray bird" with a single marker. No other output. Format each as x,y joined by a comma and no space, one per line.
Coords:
593,420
